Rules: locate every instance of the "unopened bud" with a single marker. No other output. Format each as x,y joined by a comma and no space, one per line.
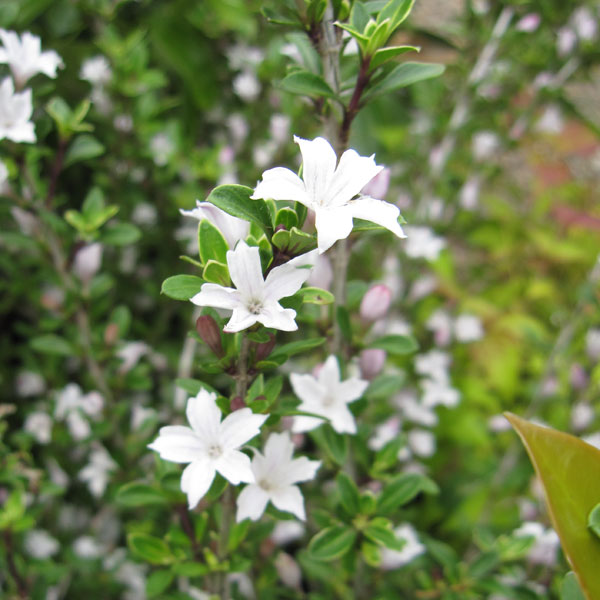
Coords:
237,402
208,330
111,334
375,303
263,350
288,570
87,262
371,362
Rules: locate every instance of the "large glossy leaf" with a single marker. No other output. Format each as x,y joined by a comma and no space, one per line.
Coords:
569,470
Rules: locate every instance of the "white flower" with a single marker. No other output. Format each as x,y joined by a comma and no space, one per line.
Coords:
25,56
276,474
582,416
15,112
96,70
279,127
421,442
484,144
433,364
592,343
39,425
162,148
87,261
232,228
247,86
415,411
286,532
96,473
498,424
29,383
546,543
551,121
327,396
384,433
71,404
421,242
256,299
438,392
468,328
469,193
440,323
130,354
40,544
329,190
394,559
140,414
566,41
585,23
210,445
87,547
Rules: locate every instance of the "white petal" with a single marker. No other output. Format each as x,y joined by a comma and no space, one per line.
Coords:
279,447
351,389
332,224
204,416
289,499
318,166
307,388
281,184
196,480
342,420
48,62
239,427
251,503
235,467
178,444
285,280
301,424
240,319
301,469
379,212
245,271
212,294
277,317
351,176
329,375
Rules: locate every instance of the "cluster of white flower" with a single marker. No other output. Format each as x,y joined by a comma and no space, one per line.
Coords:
465,328
25,58
72,406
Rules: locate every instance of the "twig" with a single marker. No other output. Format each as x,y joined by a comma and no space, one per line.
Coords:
186,362
12,567
56,169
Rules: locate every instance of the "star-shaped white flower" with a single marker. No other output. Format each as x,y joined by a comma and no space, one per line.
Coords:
25,57
15,112
210,446
327,396
275,473
256,299
330,191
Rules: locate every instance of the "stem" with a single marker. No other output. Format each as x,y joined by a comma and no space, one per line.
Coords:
56,169
226,516
242,378
350,113
188,528
12,567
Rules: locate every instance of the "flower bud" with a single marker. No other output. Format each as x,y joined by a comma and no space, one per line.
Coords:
371,362
237,402
375,303
208,330
263,350
87,262
288,570
529,23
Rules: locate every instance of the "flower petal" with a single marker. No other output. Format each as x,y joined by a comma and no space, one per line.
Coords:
240,319
351,389
307,388
332,224
196,480
379,212
245,271
212,294
289,499
251,503
302,424
301,469
204,416
235,467
275,316
351,176
342,420
178,444
239,427
281,184
285,280
318,166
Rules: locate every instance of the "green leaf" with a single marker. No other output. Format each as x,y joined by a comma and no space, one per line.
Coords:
297,347
181,287
83,147
52,344
332,542
359,17
308,84
158,582
404,75
121,234
193,386
235,200
313,295
349,496
343,319
397,345
287,217
396,11
565,465
380,531
399,491
334,444
570,589
378,37
387,457
384,54
594,520
294,241
371,553
384,386
150,548
216,272
12,509
211,243
139,494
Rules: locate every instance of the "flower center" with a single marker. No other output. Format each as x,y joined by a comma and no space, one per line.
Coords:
328,400
265,484
214,451
254,306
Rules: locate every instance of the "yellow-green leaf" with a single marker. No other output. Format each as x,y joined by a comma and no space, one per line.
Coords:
568,469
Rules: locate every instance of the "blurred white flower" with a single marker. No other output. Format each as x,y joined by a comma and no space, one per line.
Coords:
133,577
469,193
70,406
585,23
433,364
592,343
440,323
321,275
376,302
29,383
329,191
498,424
468,328
262,154
385,433
286,532
140,414
371,361
394,559
288,570
96,473
484,144
566,41
25,57
162,148
327,396
421,242
144,213
545,546
96,70
87,261
529,23
378,186
15,111
422,287
40,544
124,124
582,416
551,120
210,445
276,474
247,86
232,228
421,442
238,127
255,299
279,128
242,55
130,354
415,411
436,393
87,547
39,425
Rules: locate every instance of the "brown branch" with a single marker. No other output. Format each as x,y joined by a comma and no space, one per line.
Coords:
188,529
362,81
12,567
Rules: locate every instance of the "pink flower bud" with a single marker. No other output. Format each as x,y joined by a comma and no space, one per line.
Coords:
208,330
237,402
263,350
371,362
375,303
378,186
529,23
